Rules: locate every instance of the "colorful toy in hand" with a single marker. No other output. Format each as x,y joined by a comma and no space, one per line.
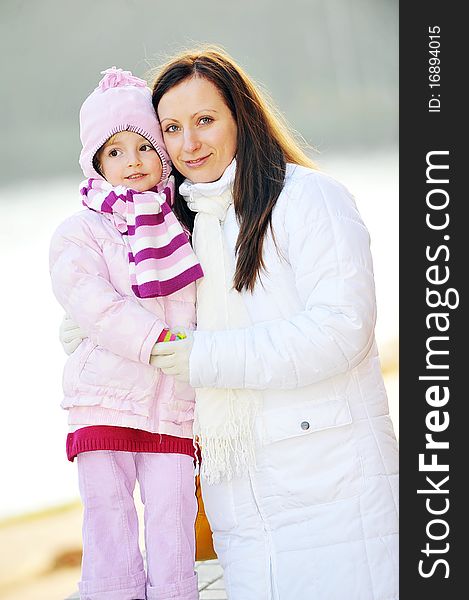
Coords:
168,336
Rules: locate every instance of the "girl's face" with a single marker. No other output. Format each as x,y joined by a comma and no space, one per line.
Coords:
198,129
128,159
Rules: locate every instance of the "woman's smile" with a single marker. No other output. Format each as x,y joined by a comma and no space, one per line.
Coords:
197,162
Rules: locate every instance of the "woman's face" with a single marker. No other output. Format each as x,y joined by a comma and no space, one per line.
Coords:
198,129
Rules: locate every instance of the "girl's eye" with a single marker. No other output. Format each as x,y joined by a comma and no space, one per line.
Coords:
205,120
146,147
171,129
113,152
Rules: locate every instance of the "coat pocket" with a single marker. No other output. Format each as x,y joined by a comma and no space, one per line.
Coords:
311,455
304,419
103,368
113,381
74,366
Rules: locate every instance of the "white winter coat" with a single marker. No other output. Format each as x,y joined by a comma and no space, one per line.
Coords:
317,518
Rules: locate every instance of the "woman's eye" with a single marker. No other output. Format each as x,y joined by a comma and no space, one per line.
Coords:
205,120
171,129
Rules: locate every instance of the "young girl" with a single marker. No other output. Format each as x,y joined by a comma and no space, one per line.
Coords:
124,270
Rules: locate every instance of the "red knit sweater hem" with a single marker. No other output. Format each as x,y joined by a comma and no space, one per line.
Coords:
125,439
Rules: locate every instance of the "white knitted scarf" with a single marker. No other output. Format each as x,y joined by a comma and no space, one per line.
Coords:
224,418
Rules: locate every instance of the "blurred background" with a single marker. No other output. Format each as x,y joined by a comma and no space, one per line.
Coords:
331,66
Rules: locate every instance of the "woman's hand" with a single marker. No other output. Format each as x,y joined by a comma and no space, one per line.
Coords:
173,357
70,335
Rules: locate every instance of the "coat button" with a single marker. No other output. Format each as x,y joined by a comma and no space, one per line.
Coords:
305,425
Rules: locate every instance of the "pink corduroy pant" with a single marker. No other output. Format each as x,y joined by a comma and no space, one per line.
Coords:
112,566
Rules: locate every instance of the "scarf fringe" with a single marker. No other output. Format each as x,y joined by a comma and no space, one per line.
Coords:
225,457
229,450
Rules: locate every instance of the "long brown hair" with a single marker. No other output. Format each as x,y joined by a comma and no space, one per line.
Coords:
264,146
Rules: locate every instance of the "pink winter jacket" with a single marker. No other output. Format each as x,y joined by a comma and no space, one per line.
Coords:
108,380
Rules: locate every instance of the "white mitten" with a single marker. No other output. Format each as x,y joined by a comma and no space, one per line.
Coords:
173,357
70,335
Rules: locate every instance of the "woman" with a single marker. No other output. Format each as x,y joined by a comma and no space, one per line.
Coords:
299,457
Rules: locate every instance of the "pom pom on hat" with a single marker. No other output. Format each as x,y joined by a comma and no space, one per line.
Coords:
121,102
115,77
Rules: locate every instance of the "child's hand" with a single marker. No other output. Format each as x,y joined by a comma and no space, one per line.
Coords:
173,357
170,336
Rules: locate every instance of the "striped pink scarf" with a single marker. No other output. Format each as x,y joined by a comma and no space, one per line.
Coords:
161,259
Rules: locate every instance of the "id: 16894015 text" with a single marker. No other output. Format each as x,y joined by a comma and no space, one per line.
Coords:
434,69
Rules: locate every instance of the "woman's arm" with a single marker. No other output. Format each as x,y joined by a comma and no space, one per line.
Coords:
328,250
80,281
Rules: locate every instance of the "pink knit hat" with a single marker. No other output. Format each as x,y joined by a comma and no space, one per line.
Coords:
121,102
